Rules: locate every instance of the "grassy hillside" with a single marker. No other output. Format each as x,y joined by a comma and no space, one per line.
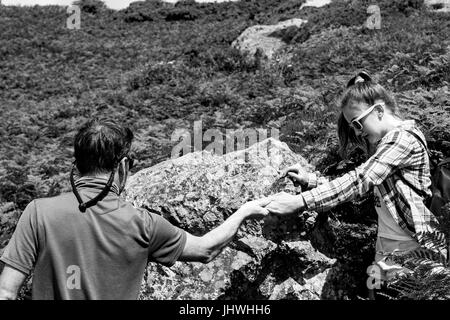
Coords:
54,78
159,67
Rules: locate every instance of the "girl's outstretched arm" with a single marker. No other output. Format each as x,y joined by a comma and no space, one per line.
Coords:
395,150
299,176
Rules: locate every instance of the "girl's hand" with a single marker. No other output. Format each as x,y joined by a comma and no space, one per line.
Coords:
255,209
297,175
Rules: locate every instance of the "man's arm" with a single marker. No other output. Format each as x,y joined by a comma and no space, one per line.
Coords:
206,248
20,254
10,282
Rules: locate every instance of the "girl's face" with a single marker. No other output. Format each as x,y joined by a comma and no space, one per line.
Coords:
372,123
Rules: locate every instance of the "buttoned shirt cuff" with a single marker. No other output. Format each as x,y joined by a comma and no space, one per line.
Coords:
312,180
308,198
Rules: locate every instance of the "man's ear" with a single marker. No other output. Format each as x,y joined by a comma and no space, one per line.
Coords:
123,173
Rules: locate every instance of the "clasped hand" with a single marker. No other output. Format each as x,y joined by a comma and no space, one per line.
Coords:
281,203
278,204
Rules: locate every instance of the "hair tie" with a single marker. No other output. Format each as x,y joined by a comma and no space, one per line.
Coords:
359,79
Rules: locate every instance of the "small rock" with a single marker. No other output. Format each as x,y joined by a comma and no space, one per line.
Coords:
257,247
267,286
288,290
438,5
313,261
255,39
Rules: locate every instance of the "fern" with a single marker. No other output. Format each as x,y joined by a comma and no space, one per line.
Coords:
435,241
429,271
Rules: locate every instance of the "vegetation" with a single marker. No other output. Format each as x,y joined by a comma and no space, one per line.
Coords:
158,67
429,265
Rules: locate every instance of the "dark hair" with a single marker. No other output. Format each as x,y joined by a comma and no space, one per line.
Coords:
361,88
100,145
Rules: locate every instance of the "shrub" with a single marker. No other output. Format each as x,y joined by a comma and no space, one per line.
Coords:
162,73
407,6
91,6
222,59
181,14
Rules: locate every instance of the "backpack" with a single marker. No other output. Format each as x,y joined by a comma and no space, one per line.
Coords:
440,182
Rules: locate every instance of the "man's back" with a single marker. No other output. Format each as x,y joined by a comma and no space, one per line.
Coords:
98,254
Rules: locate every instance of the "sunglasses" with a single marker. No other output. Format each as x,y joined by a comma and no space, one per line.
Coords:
356,122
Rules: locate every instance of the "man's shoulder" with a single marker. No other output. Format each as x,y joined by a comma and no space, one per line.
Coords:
61,199
142,212
66,203
48,204
150,217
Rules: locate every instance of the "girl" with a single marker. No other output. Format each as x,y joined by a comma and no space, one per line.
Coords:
370,119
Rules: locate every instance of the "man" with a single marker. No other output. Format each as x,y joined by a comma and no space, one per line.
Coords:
91,244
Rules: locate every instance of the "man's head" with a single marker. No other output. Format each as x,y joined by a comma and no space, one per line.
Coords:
100,145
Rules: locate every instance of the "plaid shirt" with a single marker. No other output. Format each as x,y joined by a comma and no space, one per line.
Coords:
397,152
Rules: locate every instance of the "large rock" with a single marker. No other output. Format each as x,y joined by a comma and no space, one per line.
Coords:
197,192
256,39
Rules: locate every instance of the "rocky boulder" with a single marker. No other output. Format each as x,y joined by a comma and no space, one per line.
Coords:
267,260
255,40
199,190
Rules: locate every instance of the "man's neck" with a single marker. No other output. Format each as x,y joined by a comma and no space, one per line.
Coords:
103,176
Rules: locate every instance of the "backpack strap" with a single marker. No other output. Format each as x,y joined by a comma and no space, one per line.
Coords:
422,193
434,164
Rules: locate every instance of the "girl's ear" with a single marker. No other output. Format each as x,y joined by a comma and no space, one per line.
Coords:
380,111
122,166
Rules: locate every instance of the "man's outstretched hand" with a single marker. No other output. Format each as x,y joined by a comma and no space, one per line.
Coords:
284,204
256,209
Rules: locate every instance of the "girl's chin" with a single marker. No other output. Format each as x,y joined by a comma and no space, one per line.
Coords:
370,139
374,140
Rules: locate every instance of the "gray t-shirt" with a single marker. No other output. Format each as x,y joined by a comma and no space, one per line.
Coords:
99,254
